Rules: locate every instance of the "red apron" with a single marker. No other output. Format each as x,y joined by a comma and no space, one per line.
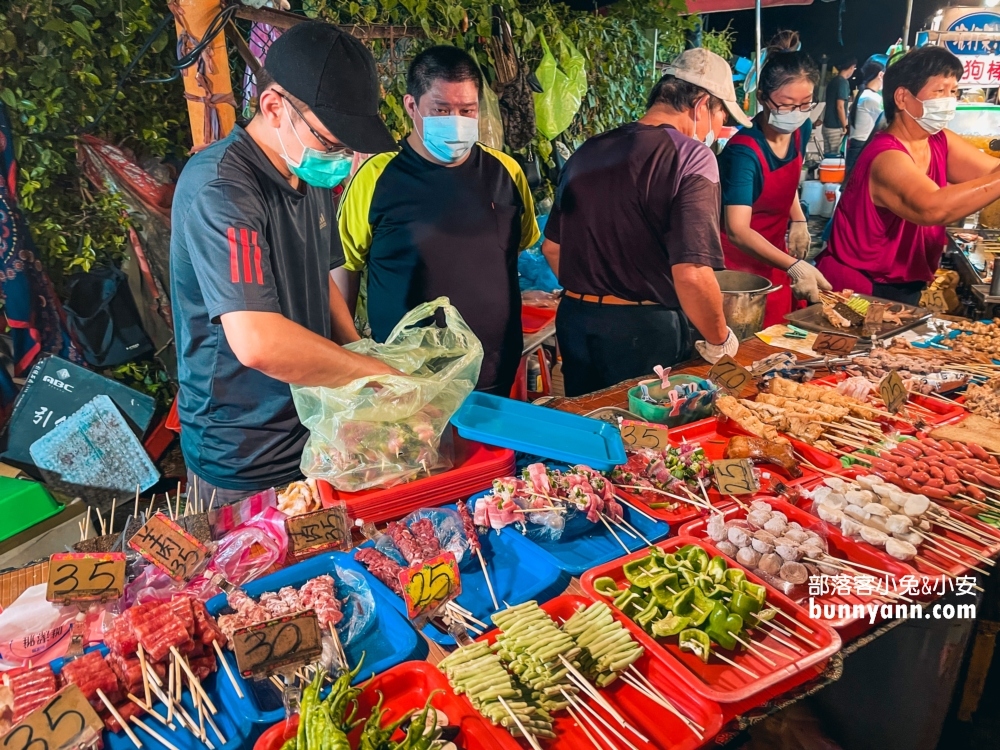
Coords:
770,220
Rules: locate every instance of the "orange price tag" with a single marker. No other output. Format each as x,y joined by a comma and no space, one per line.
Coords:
170,548
429,586
85,577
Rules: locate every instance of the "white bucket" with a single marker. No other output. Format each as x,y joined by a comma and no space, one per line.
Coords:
812,194
831,194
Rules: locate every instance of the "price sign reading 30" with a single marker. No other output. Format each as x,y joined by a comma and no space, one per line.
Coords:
280,643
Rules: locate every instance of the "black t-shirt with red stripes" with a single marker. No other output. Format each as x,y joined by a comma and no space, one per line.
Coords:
243,240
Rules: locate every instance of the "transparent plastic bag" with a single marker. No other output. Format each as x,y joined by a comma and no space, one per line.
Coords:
357,604
447,528
564,84
387,430
490,122
249,550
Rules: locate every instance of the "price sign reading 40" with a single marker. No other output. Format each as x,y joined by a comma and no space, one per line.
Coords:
170,548
734,476
278,644
893,392
729,374
428,586
85,577
67,720
638,435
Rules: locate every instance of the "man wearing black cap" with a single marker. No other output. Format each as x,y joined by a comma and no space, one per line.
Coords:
254,239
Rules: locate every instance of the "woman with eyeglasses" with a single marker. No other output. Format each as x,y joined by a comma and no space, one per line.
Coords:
760,169
911,181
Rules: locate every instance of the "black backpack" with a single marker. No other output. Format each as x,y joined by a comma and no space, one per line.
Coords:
102,316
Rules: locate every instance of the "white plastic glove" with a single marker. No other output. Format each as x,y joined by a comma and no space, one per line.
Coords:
799,240
807,281
712,353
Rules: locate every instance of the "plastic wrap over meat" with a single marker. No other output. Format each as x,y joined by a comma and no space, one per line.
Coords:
447,528
387,430
357,605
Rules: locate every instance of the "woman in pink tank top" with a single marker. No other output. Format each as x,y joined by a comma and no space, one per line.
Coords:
909,183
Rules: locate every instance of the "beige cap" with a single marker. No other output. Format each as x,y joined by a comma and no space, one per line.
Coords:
712,73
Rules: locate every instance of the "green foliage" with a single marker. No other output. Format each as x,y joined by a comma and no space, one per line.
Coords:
617,47
147,378
59,63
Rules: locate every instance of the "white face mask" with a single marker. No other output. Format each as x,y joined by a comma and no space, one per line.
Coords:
937,113
787,122
709,136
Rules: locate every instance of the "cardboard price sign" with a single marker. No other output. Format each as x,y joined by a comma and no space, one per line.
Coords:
319,531
874,316
893,392
85,577
267,647
67,720
835,344
429,586
730,374
170,548
734,476
637,435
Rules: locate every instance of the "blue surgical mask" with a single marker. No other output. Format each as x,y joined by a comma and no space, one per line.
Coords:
316,168
451,137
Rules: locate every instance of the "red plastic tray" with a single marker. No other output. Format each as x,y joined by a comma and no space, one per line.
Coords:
662,728
713,434
407,687
941,412
947,558
534,319
717,680
840,546
476,466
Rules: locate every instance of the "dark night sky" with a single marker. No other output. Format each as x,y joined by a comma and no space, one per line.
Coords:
870,26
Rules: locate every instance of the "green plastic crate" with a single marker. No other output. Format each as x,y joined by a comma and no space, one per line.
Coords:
23,503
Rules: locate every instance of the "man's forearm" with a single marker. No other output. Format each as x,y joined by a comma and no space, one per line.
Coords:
700,298
286,351
551,252
842,112
343,329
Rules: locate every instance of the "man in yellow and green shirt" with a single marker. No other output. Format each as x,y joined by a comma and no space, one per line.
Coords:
443,216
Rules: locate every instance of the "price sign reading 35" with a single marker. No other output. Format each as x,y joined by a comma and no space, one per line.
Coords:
428,586
85,577
67,720
734,476
637,435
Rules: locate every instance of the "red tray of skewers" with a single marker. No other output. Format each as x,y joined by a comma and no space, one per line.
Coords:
402,689
852,559
476,465
748,674
662,728
930,410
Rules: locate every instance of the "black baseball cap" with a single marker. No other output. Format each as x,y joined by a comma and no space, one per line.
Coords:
334,75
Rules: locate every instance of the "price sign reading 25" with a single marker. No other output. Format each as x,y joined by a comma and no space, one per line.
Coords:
428,586
734,476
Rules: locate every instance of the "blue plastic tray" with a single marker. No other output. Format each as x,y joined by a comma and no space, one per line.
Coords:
518,571
544,432
576,552
389,641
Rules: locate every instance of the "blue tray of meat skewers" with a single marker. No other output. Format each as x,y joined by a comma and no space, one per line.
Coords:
517,571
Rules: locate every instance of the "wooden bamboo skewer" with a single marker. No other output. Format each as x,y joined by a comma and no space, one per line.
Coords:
584,684
149,730
114,712
527,735
145,677
193,680
730,662
100,518
617,538
957,546
135,510
152,502
111,518
639,533
779,639
619,526
945,550
486,575
229,670
583,726
584,709
751,649
664,701
211,502
661,701
148,708
215,728
633,507
839,565
170,691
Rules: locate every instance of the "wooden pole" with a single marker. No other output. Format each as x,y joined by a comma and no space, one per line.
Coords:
207,84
